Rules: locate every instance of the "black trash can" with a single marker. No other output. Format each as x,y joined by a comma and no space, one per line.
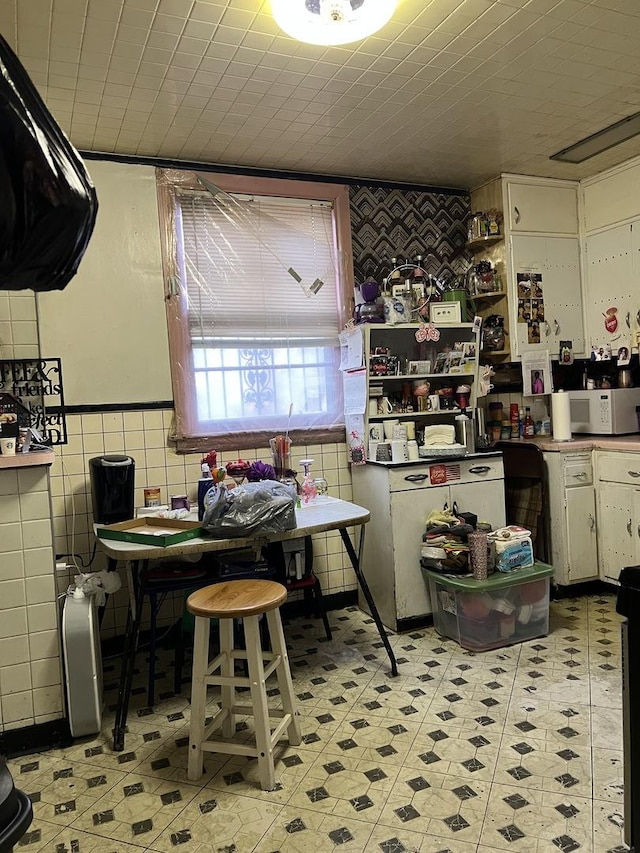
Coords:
112,488
628,604
16,811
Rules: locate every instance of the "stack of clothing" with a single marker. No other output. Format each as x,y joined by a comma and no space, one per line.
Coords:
444,543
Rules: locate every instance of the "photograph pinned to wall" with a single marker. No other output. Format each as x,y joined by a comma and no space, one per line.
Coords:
524,310
536,373
537,310
565,355
601,352
454,362
469,350
624,353
441,362
533,332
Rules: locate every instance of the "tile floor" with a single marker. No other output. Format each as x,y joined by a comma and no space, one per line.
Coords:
513,750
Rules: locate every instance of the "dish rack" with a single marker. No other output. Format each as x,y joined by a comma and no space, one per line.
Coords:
455,451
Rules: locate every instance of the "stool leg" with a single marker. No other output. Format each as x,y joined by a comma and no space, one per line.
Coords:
198,696
227,669
259,702
285,684
153,601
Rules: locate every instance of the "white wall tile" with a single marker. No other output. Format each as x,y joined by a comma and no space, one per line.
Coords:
13,622
32,480
36,534
40,589
12,594
47,700
45,673
43,644
10,536
12,565
8,482
42,617
14,679
17,707
14,650
34,505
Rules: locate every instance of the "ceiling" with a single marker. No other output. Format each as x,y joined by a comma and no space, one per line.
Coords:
449,93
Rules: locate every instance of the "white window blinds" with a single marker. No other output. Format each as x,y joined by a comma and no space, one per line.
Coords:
241,261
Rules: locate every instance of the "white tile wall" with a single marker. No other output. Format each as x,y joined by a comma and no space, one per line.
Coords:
143,436
29,643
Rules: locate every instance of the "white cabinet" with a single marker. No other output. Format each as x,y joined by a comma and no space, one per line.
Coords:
542,208
612,272
541,230
618,512
557,260
572,516
400,498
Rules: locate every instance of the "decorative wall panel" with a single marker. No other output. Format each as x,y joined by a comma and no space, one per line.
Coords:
401,223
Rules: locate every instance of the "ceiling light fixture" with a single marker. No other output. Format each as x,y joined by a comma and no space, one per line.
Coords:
331,22
600,141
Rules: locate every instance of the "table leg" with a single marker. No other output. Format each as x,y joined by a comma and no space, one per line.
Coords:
364,586
129,656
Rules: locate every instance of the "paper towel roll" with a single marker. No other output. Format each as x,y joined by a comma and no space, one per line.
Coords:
561,416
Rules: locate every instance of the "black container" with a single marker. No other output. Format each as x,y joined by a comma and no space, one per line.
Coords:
112,484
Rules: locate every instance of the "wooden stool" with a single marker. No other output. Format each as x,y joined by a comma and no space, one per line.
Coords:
246,600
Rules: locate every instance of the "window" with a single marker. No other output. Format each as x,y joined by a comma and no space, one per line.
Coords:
257,289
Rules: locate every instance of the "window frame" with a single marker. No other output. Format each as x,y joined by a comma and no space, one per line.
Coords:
169,181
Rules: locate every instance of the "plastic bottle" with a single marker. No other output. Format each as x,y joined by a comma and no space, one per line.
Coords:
204,484
515,420
521,422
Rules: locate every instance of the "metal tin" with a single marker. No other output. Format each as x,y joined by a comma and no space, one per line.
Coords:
152,497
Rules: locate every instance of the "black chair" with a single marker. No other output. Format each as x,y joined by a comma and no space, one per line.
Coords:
16,811
525,492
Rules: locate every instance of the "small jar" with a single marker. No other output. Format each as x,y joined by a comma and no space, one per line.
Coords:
505,431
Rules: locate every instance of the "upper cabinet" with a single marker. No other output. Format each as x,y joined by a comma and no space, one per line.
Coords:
540,261
542,208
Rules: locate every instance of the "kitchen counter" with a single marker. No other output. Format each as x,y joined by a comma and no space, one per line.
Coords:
629,443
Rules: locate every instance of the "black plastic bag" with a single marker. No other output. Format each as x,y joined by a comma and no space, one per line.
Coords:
253,509
48,204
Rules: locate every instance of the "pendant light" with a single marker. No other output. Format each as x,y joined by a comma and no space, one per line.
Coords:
331,22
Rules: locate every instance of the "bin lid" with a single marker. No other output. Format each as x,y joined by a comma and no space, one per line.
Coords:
498,580
629,593
112,461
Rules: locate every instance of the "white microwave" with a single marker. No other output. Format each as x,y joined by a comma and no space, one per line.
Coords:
604,411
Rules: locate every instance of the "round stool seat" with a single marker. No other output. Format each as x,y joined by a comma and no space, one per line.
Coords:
236,599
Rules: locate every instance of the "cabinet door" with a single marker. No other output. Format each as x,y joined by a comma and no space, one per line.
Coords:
611,282
556,313
545,209
581,534
486,500
616,529
409,511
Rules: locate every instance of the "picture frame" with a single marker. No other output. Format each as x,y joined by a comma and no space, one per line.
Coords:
419,367
444,313
469,350
441,362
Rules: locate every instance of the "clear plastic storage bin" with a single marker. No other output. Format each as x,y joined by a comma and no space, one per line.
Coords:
499,611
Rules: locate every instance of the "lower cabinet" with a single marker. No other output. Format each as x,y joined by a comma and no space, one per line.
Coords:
572,517
618,512
400,499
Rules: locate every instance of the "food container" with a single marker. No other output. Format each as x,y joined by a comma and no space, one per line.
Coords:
492,613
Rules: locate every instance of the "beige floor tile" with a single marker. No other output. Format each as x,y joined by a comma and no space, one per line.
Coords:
302,830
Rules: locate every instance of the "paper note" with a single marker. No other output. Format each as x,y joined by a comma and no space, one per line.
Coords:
351,349
355,391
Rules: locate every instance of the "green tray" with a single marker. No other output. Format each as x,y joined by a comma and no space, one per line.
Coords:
498,580
152,531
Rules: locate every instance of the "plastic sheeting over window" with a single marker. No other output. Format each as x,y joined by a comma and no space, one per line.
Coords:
257,290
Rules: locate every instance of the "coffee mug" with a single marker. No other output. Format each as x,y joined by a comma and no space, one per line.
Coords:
373,407
399,431
414,453
388,428
373,449
434,402
376,432
410,428
399,450
8,446
385,406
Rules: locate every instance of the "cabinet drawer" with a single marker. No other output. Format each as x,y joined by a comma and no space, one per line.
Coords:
578,474
425,475
619,468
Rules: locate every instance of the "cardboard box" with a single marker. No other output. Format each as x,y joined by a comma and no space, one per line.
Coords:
152,531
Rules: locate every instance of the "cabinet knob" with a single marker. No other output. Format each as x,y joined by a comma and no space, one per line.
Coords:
633,473
516,217
629,527
416,478
479,469
592,522
581,474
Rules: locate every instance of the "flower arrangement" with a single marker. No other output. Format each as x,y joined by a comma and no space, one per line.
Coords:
211,459
260,471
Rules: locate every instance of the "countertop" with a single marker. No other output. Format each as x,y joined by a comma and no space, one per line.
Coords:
630,443
436,460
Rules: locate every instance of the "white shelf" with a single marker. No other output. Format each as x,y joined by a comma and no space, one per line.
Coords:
407,377
395,415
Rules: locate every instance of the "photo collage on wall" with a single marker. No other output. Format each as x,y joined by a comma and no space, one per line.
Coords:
531,303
